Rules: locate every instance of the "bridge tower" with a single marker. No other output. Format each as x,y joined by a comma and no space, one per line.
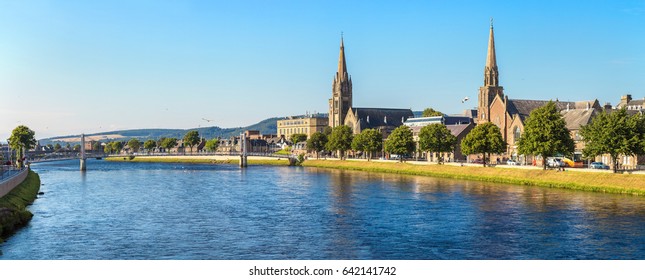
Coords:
83,167
243,154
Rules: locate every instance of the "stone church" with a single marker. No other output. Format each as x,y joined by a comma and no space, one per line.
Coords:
510,114
342,111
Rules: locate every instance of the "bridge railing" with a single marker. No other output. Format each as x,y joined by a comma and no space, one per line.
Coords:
233,153
8,172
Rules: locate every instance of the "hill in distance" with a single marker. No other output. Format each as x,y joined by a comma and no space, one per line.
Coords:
268,126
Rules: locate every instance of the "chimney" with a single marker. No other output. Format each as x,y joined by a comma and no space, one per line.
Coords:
626,98
607,106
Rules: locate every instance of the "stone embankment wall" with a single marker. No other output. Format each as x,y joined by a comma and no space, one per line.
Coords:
8,185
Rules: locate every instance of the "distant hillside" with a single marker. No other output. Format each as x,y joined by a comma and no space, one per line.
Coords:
267,126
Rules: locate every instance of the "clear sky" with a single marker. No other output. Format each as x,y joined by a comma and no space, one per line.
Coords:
71,67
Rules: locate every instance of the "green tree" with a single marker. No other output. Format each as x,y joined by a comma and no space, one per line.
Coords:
298,137
22,139
546,134
368,141
357,142
169,143
327,131
57,147
429,112
615,134
116,147
77,147
134,145
400,142
212,145
436,138
340,140
96,146
150,145
317,143
191,139
160,142
483,139
107,148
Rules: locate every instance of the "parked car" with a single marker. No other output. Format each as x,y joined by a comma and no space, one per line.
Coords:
555,162
512,162
478,160
598,165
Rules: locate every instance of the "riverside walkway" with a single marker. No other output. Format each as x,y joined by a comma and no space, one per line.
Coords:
10,178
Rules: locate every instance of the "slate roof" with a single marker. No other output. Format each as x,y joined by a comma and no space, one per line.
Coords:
471,113
635,104
455,129
379,117
458,129
632,103
576,118
524,107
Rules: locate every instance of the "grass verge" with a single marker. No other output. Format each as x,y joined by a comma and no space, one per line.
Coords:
597,182
13,206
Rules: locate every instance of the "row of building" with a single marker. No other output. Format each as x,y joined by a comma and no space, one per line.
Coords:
493,106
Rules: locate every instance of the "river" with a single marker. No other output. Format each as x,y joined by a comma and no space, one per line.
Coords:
119,210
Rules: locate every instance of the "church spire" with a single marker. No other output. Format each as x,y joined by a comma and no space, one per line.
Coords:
491,88
491,74
341,100
342,66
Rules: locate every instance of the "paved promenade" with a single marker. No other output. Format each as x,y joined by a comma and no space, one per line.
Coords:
10,179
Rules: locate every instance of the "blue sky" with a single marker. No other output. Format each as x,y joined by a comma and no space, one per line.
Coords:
70,67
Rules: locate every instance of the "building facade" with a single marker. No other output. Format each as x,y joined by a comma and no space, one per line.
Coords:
301,125
459,126
630,104
384,120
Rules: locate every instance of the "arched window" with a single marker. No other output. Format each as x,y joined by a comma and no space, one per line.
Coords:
516,133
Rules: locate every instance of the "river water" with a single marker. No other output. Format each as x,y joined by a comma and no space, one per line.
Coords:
181,211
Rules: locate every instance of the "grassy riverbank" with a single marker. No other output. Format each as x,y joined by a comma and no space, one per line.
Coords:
597,182
13,206
201,160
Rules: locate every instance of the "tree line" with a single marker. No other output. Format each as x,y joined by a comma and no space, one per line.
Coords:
191,139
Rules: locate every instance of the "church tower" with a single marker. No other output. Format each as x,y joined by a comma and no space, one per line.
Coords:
341,99
491,86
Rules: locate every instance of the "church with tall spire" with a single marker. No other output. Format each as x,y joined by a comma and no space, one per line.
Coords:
491,87
510,114
343,112
341,99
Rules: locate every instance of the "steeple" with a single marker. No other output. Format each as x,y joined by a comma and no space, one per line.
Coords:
341,100
491,74
342,66
491,88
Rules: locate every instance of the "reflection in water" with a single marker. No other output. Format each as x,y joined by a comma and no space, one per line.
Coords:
175,211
